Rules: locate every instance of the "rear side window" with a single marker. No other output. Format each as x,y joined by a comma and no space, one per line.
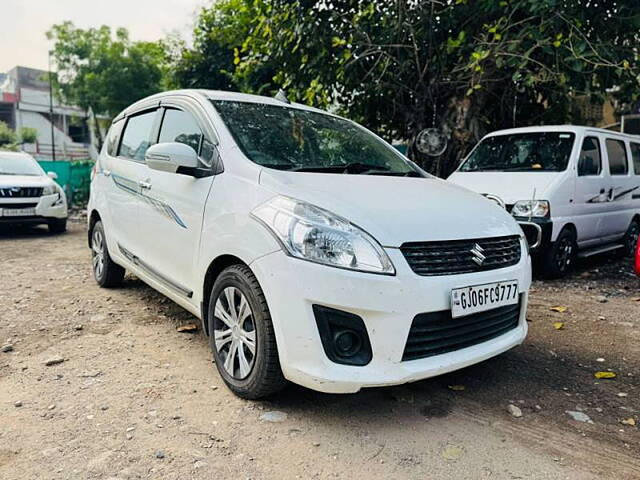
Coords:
635,154
590,161
617,153
113,138
179,126
136,138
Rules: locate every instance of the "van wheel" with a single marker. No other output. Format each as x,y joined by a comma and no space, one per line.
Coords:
631,238
241,335
559,261
107,273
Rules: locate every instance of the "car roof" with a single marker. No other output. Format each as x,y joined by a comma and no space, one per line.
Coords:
577,129
203,94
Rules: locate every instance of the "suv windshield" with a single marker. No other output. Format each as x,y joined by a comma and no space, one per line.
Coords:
521,152
303,141
19,165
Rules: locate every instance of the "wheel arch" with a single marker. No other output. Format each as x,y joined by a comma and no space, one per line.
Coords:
213,272
94,217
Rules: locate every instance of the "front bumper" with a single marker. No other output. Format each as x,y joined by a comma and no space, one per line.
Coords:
387,304
46,207
537,232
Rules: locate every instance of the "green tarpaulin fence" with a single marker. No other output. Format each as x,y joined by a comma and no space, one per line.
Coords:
73,177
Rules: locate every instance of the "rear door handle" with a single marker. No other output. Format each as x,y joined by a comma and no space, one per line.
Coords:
144,185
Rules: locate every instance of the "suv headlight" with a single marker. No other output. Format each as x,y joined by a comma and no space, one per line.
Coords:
49,190
530,208
314,234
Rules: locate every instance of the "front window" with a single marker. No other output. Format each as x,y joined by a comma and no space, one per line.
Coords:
521,152
19,165
298,140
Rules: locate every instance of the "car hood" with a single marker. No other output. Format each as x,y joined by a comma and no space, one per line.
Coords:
24,181
508,186
396,210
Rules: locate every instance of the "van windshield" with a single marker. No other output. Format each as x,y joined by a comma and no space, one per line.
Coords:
521,152
304,141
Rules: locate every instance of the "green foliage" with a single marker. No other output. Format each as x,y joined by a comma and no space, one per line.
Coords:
8,138
103,70
28,135
398,67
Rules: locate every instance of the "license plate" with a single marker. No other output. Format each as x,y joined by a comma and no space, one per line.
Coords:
478,298
18,212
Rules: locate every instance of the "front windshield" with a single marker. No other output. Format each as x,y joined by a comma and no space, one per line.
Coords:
521,152
300,140
19,165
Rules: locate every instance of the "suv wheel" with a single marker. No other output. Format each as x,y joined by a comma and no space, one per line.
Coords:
559,261
106,272
631,238
57,225
241,335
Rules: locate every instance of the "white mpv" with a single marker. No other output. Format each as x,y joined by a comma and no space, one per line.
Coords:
574,190
311,250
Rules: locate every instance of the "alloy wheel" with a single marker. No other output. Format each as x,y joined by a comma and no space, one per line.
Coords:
97,252
564,254
234,333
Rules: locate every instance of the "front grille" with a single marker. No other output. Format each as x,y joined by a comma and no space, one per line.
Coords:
462,256
17,205
436,333
20,192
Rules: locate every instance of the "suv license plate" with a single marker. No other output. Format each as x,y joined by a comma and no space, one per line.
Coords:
18,212
478,298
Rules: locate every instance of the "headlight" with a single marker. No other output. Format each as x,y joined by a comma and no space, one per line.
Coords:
314,234
49,190
530,208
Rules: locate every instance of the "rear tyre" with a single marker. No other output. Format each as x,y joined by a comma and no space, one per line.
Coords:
631,238
241,335
560,259
107,273
57,225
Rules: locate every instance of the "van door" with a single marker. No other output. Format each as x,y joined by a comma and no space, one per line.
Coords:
619,195
171,218
125,170
591,193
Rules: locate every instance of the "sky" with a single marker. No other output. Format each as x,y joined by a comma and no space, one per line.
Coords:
24,23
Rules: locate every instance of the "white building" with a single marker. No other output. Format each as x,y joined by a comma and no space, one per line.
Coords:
25,102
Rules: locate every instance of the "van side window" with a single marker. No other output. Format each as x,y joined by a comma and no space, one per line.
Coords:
590,160
179,126
113,138
617,153
635,154
136,138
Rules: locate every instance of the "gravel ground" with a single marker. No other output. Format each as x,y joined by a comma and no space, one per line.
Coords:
99,384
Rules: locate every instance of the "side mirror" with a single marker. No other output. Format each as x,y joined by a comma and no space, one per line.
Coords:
52,175
172,157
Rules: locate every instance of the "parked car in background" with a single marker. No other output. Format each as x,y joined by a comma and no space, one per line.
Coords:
28,195
311,250
575,191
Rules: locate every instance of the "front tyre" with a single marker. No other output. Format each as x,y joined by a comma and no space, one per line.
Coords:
107,273
560,259
631,238
241,335
57,225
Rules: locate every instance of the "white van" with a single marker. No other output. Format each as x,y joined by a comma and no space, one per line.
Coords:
574,190
311,249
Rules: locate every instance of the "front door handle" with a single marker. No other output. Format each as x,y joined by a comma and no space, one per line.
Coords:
144,185
106,173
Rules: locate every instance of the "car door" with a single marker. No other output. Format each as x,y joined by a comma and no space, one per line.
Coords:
620,191
124,170
591,194
171,218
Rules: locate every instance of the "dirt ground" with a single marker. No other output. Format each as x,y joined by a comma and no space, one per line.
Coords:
136,399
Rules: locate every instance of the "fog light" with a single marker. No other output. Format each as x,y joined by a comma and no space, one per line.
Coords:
344,336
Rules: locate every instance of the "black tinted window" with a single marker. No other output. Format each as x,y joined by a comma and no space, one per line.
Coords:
617,153
136,138
590,161
179,126
635,154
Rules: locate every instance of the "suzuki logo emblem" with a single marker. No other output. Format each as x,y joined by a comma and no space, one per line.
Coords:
478,256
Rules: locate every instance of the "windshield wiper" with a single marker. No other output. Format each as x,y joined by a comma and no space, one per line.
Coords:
355,167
